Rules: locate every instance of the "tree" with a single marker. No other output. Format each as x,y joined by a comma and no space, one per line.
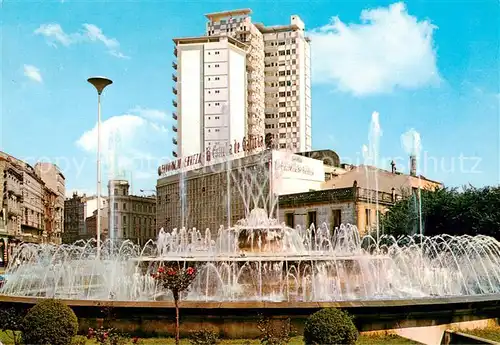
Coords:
472,211
176,279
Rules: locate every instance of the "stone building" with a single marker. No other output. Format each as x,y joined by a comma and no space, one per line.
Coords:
130,217
74,218
351,197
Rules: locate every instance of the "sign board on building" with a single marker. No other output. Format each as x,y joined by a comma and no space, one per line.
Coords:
214,155
293,173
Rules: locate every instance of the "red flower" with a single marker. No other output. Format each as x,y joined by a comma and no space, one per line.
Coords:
190,270
171,272
105,335
161,270
135,340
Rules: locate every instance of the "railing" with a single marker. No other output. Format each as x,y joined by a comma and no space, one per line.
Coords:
319,196
371,195
336,195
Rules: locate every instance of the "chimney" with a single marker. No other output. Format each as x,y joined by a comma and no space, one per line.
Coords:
413,165
393,167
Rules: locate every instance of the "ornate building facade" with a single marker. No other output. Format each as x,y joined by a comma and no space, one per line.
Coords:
28,206
130,217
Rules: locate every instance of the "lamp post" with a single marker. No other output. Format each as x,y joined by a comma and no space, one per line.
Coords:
99,83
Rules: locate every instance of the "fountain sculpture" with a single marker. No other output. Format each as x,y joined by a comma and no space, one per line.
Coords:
261,259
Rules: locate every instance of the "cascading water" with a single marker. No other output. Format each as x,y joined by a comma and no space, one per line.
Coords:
411,143
259,258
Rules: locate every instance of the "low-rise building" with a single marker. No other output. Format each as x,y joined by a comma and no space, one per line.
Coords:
358,196
130,217
210,194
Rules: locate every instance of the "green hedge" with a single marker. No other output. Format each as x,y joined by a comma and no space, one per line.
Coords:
330,326
49,322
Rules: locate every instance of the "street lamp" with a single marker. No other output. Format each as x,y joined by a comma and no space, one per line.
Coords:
99,83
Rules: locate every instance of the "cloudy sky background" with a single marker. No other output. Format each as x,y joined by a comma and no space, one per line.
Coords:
429,67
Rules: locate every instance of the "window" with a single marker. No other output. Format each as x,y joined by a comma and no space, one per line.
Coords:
282,135
124,206
368,217
289,220
311,218
124,219
336,219
116,206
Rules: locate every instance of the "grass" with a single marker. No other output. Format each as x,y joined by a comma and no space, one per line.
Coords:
492,333
363,340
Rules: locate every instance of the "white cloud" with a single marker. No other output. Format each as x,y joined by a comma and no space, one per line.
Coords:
128,144
151,114
33,73
91,33
389,49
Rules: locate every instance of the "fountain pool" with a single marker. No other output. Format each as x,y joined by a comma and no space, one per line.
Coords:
260,259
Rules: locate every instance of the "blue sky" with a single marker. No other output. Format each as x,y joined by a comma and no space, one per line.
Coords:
428,65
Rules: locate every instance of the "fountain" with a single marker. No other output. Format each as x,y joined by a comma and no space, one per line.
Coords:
259,259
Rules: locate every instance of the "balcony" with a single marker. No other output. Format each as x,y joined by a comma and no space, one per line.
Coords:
174,65
174,129
174,115
174,141
174,78
174,154
174,90
174,103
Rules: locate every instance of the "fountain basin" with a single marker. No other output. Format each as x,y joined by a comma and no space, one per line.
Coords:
239,319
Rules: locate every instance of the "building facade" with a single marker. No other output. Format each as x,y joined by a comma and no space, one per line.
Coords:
275,68
91,224
223,193
212,91
29,207
351,197
130,217
74,218
56,182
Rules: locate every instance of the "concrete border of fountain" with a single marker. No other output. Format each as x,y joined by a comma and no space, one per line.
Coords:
239,319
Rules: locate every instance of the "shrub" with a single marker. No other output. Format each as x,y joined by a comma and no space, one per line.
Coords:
204,337
330,326
49,322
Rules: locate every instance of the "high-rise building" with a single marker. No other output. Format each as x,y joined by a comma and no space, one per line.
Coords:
211,88
273,65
